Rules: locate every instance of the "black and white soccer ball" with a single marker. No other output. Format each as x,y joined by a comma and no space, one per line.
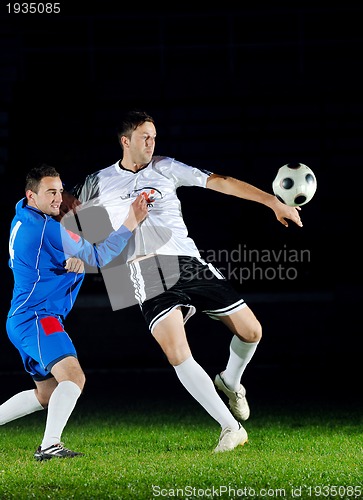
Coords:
295,184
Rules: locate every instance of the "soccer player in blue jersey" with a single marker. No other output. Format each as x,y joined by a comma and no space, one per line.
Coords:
47,261
171,280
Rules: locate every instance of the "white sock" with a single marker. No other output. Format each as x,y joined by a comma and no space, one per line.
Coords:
61,404
198,383
21,404
240,354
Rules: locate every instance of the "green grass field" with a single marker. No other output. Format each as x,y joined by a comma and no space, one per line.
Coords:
150,449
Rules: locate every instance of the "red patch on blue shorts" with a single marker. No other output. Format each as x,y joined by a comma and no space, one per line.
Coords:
51,325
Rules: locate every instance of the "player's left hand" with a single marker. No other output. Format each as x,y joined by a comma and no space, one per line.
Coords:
74,265
284,212
137,213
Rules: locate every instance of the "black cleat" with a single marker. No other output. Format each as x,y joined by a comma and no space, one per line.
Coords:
56,450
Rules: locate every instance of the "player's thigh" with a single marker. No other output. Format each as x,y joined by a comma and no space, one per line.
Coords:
69,368
244,324
170,335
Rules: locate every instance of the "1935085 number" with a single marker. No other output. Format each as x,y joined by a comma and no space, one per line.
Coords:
34,8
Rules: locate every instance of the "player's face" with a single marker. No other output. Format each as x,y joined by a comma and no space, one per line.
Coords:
49,196
142,143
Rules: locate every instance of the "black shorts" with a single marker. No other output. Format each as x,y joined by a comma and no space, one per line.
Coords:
165,282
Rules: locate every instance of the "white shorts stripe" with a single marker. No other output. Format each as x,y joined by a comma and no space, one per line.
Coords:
226,311
138,281
164,314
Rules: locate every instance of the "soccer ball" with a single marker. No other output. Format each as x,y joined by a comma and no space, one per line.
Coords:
295,184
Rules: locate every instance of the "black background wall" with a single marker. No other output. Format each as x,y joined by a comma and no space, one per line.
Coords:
240,91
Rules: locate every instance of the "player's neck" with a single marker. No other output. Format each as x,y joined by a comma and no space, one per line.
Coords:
134,167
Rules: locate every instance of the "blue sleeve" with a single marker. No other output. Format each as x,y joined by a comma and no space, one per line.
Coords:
98,254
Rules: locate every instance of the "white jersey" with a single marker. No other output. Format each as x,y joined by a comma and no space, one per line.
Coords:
163,232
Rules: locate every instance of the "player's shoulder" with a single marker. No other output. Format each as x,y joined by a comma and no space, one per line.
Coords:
109,171
159,161
164,163
176,167
90,184
27,215
32,226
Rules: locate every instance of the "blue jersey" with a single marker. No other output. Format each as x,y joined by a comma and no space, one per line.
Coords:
39,246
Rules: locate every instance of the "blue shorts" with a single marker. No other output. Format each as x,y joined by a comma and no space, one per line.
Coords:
41,341
166,282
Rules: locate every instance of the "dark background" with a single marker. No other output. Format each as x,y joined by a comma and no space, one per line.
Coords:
240,91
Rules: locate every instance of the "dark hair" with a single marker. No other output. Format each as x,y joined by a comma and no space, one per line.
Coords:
130,121
36,174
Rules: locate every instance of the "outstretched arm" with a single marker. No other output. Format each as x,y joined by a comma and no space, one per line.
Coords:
241,189
101,253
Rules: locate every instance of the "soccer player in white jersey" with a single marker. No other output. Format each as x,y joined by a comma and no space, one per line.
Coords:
171,280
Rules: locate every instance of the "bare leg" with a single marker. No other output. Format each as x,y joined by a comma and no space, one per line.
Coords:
247,334
170,334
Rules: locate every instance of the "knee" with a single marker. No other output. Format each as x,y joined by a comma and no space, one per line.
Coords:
176,352
83,381
251,334
173,343
257,332
176,356
80,380
69,369
76,376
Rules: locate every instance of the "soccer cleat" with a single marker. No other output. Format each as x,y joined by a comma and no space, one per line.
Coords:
56,450
229,439
237,400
